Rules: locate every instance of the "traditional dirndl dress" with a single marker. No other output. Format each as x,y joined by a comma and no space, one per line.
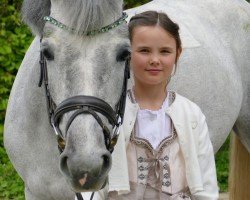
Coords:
157,174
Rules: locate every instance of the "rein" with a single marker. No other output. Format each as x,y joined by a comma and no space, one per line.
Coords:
82,104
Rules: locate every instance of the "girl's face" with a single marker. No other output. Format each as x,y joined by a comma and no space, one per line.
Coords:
153,55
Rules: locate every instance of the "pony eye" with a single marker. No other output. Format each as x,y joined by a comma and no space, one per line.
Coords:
49,55
122,55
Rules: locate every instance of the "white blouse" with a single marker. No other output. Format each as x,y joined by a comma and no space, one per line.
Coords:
153,125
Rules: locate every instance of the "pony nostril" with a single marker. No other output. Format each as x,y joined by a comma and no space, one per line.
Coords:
106,161
64,166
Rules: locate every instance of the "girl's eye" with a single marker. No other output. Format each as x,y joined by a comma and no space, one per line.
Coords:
144,50
165,51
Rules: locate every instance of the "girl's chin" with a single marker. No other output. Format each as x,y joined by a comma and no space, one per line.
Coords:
152,83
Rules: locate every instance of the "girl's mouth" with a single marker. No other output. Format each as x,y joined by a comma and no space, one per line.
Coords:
153,71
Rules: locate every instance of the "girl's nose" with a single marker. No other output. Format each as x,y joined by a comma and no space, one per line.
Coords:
154,60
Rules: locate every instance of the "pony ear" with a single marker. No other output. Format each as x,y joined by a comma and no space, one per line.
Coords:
33,12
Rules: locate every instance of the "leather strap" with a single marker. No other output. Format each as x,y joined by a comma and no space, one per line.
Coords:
78,102
84,105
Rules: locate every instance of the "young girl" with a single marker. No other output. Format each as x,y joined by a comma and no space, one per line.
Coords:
164,150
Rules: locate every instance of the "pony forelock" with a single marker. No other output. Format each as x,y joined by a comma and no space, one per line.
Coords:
80,15
88,15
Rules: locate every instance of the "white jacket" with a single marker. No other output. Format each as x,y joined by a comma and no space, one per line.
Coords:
195,144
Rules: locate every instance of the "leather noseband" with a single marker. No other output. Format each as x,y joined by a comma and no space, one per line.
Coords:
82,104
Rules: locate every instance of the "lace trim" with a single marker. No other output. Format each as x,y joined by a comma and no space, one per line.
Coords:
171,93
167,141
146,144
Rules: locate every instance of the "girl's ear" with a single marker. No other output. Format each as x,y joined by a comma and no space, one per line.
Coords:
178,53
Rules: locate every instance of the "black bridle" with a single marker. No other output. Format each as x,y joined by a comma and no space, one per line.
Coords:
82,104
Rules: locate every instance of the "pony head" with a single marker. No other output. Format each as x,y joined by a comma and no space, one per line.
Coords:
85,56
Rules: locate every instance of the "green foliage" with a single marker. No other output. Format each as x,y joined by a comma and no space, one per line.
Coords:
14,41
222,167
133,3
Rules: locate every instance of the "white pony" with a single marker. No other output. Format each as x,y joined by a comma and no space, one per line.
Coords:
213,72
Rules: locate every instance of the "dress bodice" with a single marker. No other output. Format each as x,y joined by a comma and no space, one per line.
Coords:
155,173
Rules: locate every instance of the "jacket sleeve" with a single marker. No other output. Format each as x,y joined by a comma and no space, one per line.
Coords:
207,163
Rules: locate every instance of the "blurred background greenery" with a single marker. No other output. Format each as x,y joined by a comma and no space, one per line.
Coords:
15,38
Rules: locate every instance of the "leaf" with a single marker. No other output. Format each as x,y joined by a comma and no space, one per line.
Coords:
4,50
